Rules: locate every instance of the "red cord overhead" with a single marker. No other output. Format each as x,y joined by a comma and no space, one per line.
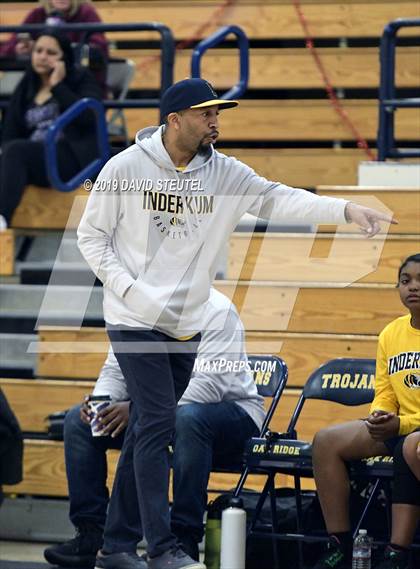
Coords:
196,35
361,141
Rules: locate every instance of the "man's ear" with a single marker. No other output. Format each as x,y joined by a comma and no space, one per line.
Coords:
174,120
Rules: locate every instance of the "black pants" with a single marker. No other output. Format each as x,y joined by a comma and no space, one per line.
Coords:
156,381
22,163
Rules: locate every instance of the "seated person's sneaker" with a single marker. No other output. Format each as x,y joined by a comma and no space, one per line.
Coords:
174,558
394,559
334,558
77,552
120,561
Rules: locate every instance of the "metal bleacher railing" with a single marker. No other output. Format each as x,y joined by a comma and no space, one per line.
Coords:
388,102
60,123
212,41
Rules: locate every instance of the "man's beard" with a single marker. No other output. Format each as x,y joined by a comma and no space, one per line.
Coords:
203,147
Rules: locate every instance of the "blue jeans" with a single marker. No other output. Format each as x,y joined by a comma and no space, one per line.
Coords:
156,381
86,469
206,434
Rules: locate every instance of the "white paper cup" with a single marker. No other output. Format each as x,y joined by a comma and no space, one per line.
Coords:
96,403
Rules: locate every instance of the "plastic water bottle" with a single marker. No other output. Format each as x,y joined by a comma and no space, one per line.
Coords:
362,549
233,541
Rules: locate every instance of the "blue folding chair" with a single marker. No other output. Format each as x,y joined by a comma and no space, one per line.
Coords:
346,381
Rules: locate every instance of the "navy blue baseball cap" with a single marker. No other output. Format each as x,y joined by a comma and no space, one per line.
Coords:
191,94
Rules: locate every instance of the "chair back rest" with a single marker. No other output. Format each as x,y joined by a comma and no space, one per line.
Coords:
120,72
348,381
270,374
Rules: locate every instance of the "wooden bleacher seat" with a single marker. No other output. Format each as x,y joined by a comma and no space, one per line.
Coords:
45,208
325,308
287,257
7,252
279,68
304,352
345,18
322,307
293,120
331,165
44,469
403,202
33,400
44,472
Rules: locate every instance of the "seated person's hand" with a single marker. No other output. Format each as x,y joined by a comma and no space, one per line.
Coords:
418,450
383,425
114,417
85,411
58,73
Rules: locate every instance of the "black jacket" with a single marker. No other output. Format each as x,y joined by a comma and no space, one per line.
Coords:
80,134
11,445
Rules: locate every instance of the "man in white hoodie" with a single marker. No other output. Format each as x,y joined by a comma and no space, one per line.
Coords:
155,221
218,412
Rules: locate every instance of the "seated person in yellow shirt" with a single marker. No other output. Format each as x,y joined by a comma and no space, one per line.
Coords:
394,414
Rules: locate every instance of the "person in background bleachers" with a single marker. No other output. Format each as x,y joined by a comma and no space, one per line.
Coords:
50,12
51,84
55,12
394,414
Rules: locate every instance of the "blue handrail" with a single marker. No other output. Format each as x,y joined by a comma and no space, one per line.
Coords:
54,130
215,39
388,102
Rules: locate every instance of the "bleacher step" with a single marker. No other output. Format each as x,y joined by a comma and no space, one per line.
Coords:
28,518
20,306
75,274
15,360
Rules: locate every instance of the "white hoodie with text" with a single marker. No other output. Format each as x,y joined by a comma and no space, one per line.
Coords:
152,233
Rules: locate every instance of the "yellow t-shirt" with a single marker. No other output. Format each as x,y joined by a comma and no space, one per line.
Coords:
397,384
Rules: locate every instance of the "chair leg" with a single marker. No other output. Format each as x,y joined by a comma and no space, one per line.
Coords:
274,521
365,509
299,518
259,506
241,483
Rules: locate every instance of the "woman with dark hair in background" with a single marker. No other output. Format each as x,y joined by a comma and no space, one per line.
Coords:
51,85
58,12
